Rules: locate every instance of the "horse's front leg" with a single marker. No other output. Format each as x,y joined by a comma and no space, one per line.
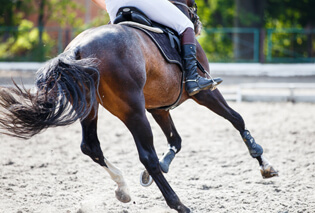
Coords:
256,151
163,118
215,102
91,146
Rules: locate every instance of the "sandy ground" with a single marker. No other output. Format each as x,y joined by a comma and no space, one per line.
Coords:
212,173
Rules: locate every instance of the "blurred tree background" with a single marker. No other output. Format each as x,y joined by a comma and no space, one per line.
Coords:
25,35
233,30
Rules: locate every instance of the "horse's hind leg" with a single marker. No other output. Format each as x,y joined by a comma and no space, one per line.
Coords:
215,102
163,118
91,146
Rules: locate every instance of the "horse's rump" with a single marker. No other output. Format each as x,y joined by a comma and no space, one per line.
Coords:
121,50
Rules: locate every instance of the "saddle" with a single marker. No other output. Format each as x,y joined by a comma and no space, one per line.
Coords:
166,39
132,14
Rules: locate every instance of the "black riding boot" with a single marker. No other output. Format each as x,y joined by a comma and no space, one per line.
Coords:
194,82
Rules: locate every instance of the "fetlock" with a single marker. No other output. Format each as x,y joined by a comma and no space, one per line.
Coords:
255,150
95,154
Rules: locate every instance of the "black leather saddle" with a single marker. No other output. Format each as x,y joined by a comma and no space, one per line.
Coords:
135,15
132,14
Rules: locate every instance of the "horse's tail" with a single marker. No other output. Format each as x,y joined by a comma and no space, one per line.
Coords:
66,90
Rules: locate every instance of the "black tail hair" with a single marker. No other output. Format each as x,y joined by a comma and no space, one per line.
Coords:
66,90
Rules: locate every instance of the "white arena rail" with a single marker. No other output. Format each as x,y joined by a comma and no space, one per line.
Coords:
275,93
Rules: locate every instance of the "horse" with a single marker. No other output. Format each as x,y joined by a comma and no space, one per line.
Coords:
121,69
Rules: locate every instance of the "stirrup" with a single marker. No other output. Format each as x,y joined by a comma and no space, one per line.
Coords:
194,90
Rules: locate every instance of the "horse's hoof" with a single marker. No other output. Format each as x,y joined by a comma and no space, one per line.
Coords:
145,179
122,195
183,209
268,171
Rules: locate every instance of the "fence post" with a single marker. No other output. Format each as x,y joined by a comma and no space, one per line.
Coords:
262,45
239,97
269,46
60,40
256,45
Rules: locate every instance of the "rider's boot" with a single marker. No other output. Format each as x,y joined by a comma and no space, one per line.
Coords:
194,82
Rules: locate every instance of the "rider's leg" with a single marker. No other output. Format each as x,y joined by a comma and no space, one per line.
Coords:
169,15
160,11
194,82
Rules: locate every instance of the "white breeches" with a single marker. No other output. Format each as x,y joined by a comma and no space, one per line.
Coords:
160,11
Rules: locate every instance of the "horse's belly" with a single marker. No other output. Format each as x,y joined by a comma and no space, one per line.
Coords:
163,91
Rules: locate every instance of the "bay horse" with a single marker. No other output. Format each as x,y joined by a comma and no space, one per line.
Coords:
121,69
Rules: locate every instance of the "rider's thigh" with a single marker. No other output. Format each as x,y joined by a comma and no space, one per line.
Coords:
160,11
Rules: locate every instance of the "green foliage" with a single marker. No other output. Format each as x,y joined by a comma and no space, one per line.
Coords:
11,11
289,13
277,14
217,45
25,44
64,12
101,19
294,45
216,14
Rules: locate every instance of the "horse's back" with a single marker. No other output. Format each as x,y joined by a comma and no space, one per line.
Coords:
105,40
